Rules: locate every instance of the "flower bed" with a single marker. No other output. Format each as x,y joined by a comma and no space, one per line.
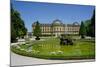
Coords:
51,49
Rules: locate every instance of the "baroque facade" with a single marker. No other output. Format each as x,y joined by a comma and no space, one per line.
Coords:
57,28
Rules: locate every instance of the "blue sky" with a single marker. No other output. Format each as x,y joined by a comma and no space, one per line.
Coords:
46,12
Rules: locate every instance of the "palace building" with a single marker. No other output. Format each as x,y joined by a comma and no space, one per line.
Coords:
57,28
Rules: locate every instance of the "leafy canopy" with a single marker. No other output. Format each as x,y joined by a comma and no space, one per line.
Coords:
37,30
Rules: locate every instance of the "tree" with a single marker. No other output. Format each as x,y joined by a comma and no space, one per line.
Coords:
82,30
87,23
13,34
37,30
92,25
13,30
17,24
22,30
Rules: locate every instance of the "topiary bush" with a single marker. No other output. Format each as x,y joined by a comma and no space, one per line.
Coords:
66,40
37,38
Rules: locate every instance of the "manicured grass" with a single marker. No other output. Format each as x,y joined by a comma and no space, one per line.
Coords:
51,49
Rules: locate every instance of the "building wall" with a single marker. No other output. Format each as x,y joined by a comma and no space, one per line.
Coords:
47,29
72,29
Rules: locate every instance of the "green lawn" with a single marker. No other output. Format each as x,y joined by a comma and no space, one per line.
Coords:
51,49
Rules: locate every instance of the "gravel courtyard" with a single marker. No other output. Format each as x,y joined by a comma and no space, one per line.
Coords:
17,60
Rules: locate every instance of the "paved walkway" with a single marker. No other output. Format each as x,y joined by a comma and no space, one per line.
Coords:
17,60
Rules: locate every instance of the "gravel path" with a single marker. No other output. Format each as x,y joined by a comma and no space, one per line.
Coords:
17,60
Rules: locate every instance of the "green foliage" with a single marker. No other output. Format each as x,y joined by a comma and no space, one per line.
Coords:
13,34
37,30
82,30
87,23
17,24
90,26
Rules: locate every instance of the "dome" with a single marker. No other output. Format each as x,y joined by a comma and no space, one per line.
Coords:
75,23
57,22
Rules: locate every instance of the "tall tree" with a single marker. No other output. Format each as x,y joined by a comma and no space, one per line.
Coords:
92,25
37,30
82,30
17,24
87,23
13,33
13,30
